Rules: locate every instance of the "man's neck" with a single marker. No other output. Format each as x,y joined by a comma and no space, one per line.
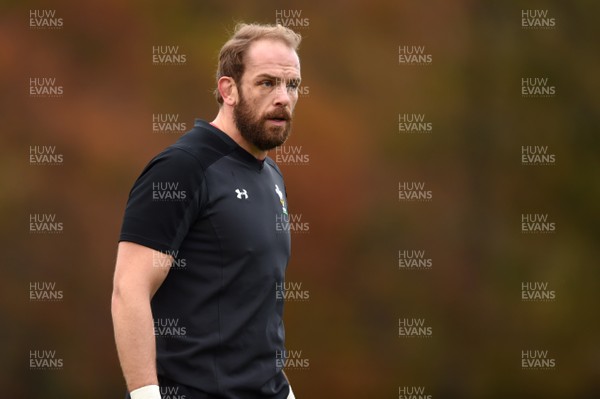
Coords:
224,122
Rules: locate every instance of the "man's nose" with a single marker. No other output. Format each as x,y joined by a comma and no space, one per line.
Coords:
282,95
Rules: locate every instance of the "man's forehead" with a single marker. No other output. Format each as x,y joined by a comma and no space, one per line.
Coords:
272,55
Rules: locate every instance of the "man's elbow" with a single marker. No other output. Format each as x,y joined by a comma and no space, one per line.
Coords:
116,301
120,297
128,294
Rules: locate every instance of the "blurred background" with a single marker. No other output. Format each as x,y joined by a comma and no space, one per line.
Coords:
344,187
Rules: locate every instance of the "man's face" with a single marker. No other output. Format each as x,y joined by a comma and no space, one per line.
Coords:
268,92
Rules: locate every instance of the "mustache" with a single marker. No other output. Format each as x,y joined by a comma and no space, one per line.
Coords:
279,114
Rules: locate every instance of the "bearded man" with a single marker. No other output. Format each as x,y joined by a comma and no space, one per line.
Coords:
194,302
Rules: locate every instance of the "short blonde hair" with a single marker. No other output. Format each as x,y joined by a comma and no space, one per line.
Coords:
231,56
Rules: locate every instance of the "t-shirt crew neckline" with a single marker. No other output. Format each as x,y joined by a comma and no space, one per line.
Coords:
245,155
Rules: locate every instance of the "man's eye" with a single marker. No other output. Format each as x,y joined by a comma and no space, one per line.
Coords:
293,85
266,83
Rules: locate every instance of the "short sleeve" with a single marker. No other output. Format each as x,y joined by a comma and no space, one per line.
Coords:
164,201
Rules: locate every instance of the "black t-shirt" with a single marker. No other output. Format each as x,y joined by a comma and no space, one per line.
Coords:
218,211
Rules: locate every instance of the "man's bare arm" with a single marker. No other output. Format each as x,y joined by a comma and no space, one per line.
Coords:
138,274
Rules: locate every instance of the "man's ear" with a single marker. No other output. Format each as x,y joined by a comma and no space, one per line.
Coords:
228,90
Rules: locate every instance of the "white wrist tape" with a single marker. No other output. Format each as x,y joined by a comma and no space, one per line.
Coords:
291,394
147,392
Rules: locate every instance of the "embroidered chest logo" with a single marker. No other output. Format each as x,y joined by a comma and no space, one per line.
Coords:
241,193
280,194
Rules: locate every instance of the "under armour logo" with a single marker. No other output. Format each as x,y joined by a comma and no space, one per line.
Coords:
280,194
241,193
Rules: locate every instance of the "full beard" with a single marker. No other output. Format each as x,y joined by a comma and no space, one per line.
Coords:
255,130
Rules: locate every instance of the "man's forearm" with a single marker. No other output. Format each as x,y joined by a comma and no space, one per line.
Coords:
134,336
